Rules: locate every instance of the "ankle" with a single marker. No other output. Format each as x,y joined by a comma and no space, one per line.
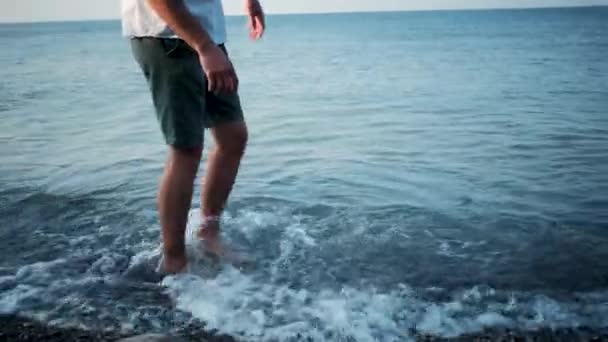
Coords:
210,227
210,222
174,253
174,265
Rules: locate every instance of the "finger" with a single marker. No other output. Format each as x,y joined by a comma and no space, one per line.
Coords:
259,20
219,87
252,23
236,80
252,26
229,82
233,77
252,20
211,84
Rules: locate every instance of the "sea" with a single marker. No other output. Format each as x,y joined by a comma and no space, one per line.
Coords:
408,173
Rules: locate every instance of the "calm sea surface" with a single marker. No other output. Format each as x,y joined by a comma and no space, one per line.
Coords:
438,172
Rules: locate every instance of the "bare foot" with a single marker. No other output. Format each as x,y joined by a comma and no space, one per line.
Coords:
211,243
173,265
209,234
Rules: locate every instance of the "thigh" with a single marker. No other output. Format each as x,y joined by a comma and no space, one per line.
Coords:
222,108
177,86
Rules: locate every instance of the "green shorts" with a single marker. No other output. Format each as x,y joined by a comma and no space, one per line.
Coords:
184,106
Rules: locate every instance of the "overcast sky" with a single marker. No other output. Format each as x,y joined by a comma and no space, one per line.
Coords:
42,10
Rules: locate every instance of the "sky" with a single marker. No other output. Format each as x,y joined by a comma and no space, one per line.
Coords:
45,10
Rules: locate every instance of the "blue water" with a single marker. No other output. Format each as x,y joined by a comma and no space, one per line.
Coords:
430,172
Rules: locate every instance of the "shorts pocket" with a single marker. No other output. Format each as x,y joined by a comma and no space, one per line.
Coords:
176,48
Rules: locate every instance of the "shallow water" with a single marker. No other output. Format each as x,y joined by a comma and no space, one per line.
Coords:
435,172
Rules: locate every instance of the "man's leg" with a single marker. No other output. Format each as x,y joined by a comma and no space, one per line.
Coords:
222,168
174,198
177,86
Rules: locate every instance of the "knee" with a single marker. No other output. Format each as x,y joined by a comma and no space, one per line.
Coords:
190,156
188,152
236,144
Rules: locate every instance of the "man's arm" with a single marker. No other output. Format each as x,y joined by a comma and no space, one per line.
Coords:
255,18
220,72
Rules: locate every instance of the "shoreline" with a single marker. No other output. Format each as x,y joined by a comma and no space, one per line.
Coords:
15,328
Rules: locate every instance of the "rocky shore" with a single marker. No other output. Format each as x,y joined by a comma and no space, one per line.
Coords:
14,328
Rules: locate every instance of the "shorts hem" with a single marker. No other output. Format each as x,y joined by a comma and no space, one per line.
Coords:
184,144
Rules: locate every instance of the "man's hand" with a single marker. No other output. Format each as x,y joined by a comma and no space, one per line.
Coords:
221,76
255,16
216,65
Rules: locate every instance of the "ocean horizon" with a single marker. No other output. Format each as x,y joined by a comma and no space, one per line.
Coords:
270,15
416,173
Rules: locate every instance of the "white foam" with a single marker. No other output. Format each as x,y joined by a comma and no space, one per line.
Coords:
7,281
241,305
193,226
447,320
82,240
10,300
548,312
261,308
237,304
248,222
145,256
105,264
455,248
39,271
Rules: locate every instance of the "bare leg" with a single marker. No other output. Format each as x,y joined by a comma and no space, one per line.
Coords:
222,169
174,200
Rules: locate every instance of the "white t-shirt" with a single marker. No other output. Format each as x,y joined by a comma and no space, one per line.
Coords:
139,20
